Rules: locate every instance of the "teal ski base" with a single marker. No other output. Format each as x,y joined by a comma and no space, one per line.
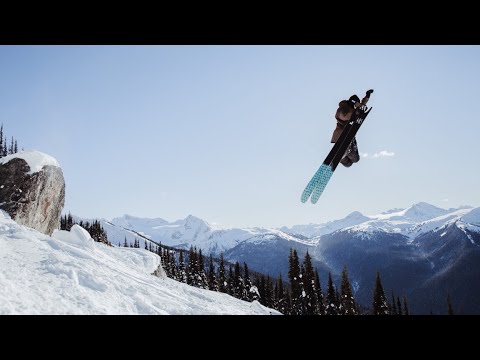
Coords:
325,176
317,184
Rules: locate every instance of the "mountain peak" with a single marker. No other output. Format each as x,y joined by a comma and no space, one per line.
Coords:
355,215
193,221
423,211
424,205
130,221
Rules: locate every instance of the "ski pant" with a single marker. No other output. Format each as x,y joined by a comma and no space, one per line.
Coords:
351,155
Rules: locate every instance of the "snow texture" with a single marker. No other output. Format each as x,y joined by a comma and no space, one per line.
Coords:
35,159
68,273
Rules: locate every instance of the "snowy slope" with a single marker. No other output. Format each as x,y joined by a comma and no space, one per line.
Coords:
70,274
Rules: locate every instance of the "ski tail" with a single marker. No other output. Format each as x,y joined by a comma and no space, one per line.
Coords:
310,186
324,177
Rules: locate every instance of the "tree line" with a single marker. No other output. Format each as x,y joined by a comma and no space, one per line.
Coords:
5,147
302,295
95,229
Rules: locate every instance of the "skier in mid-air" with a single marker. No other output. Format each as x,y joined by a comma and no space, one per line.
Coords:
344,112
350,116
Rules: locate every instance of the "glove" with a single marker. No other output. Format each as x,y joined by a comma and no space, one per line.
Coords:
369,92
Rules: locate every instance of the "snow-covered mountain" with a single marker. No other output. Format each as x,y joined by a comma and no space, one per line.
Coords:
69,273
315,230
411,222
187,232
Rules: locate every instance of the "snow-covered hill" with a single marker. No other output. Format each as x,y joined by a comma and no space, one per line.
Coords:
68,273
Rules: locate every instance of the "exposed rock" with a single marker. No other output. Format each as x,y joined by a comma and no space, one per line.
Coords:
32,192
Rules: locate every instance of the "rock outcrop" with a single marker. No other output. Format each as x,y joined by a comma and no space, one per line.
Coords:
32,190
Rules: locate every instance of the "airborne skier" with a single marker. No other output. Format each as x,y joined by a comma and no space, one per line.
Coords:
343,115
350,116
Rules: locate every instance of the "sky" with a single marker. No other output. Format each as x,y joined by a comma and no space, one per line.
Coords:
232,134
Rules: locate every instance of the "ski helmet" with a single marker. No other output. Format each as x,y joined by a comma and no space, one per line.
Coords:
354,99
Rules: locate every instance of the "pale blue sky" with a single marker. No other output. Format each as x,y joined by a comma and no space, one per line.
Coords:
232,134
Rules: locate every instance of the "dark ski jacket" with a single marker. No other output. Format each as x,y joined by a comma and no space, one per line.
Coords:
343,115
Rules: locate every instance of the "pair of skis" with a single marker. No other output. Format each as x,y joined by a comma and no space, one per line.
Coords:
320,180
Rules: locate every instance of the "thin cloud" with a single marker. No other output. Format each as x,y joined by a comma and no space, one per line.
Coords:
383,153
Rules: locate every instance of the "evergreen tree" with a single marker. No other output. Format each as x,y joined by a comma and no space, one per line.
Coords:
202,277
450,307
393,307
295,283
15,147
69,222
212,279
405,306
281,296
262,285
192,267
5,148
222,280
319,295
288,303
379,306
182,274
238,286
230,280
337,299
119,244
1,142
331,306
347,302
125,243
269,292
248,293
309,286
10,149
173,265
275,296
166,262
399,306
